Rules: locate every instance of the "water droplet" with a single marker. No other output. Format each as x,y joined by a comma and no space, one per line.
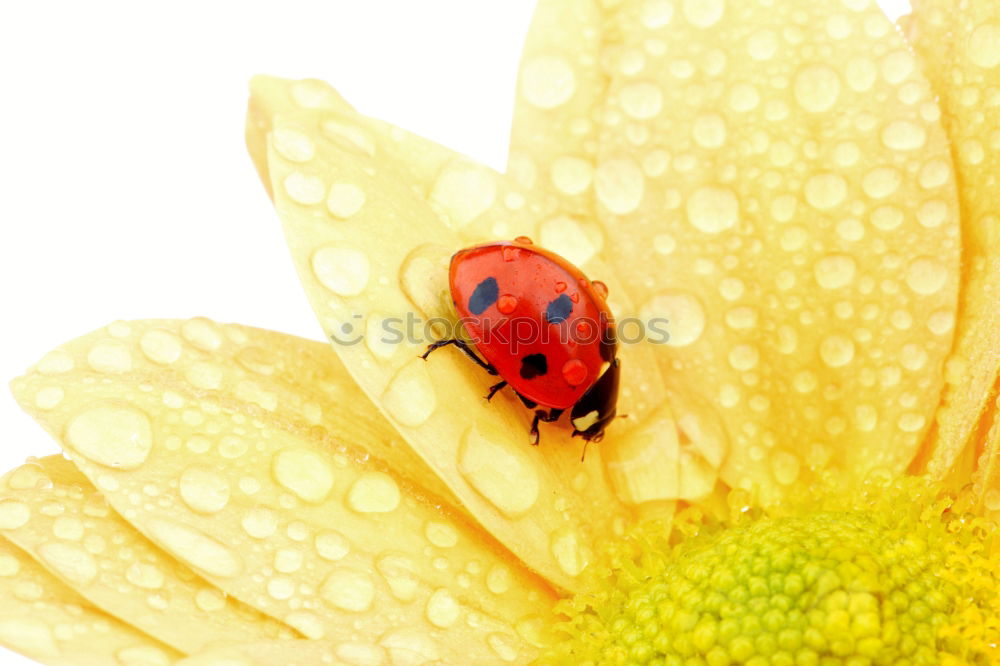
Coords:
464,191
410,397
292,144
498,469
620,185
503,645
941,322
410,647
887,218
202,333
373,492
898,66
345,200
741,318
713,209
817,88
400,574
304,472
881,182
259,522
112,435
826,190
442,609
424,279
656,13
904,135
744,357
68,527
49,397
441,534
679,313
204,375
332,546
506,303
984,46
933,214
303,188
280,588
203,489
288,560
110,356
709,130
342,270
664,244
567,547
911,422
547,81
571,175
499,579
574,371
349,590
195,547
763,44
743,97
13,514
161,346
146,576
835,271
926,276
836,351
70,561
704,13
785,467
641,100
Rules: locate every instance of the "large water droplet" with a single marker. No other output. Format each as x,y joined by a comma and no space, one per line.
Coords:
984,46
13,514
304,472
904,135
112,435
568,548
620,185
349,590
410,397
110,356
144,575
424,279
374,492
342,270
704,13
331,545
817,88
30,636
835,271
345,200
292,144
204,489
400,574
641,99
566,237
836,350
826,190
498,469
926,276
304,188
713,209
442,609
161,346
464,191
547,81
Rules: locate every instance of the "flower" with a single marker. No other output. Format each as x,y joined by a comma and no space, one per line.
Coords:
776,181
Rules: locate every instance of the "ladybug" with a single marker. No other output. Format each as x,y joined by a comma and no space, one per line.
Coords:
542,327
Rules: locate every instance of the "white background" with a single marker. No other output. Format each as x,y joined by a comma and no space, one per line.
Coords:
125,189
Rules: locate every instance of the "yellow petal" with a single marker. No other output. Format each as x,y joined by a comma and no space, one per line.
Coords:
769,174
385,257
69,528
960,45
228,467
47,621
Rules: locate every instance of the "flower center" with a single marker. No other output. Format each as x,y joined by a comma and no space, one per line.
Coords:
872,585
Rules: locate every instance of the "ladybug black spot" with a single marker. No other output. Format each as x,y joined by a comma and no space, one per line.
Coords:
534,365
484,295
559,309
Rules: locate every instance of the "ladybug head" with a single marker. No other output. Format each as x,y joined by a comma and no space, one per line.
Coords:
597,407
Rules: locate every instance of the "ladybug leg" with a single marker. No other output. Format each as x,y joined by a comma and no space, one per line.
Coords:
493,389
541,416
464,347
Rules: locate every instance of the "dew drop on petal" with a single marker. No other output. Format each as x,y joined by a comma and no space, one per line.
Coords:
13,514
571,175
704,13
836,350
348,590
442,609
332,546
498,470
464,191
303,188
292,144
926,276
641,100
835,271
374,492
161,346
305,473
713,209
568,550
548,81
817,88
30,636
826,190
110,356
112,435
345,200
620,185
410,647
342,270
984,46
410,397
203,489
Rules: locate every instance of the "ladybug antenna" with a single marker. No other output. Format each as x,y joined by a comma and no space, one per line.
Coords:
584,454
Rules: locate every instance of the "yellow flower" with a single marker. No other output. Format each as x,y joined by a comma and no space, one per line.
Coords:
809,202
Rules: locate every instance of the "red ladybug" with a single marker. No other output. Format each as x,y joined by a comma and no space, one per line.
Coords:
542,327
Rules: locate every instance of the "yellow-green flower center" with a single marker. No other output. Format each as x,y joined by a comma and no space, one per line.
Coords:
879,584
